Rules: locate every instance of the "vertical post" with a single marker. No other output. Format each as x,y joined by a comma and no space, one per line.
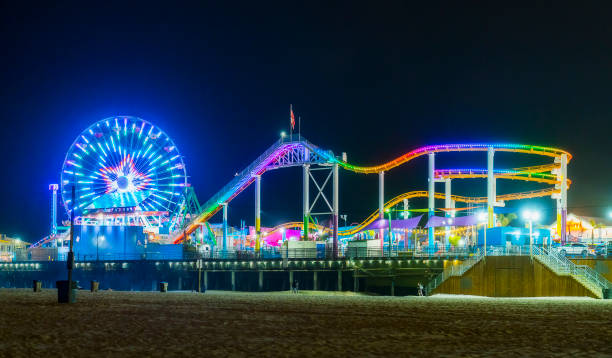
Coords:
257,212
261,280
339,280
233,280
54,188
381,207
355,281
431,198
448,214
306,198
315,280
290,280
530,238
563,198
405,215
70,261
224,244
335,205
205,280
491,196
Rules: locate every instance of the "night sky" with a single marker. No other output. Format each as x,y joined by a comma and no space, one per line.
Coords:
374,82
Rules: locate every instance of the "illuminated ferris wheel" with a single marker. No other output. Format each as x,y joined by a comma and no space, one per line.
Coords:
121,165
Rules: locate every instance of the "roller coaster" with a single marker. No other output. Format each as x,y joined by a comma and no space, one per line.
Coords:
297,151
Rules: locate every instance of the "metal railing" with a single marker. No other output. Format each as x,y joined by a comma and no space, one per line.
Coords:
550,258
561,265
455,270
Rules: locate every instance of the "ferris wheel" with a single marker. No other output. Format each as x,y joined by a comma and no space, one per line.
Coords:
123,164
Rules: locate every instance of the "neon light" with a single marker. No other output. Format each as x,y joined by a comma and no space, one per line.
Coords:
105,173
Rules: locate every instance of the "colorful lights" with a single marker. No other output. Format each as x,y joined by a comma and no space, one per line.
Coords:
104,165
243,179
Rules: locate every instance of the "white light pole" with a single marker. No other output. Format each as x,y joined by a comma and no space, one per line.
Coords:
530,216
482,217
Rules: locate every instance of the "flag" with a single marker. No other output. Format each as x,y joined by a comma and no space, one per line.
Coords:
291,117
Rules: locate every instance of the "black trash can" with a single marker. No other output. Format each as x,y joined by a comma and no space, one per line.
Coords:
36,286
62,291
95,286
163,286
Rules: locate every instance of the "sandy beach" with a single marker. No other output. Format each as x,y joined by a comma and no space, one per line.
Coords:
307,324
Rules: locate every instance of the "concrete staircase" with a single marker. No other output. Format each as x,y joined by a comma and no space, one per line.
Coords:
560,265
455,270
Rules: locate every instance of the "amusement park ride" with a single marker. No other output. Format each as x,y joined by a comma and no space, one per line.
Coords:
127,172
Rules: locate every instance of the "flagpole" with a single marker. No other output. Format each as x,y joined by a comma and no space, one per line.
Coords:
290,126
300,127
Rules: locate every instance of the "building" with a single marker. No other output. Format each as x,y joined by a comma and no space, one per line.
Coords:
586,228
12,249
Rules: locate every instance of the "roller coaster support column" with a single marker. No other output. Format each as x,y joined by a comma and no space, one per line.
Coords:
490,188
563,198
335,204
306,198
224,244
257,212
381,206
447,205
430,198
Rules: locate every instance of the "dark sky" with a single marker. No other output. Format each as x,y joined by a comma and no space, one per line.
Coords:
374,82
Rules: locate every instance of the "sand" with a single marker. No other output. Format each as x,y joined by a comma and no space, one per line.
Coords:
138,324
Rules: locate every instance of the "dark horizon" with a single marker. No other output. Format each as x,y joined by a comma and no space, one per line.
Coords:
372,82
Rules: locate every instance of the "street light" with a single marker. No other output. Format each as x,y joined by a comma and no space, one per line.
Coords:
283,134
482,218
530,216
610,214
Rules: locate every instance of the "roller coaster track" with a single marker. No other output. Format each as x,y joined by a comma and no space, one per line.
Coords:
524,175
463,199
288,153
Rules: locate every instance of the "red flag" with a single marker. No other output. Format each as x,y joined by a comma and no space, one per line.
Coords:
292,117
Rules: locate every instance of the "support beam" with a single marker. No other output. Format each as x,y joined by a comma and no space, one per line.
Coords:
355,281
205,280
563,199
381,206
448,214
290,280
306,198
233,280
405,216
431,187
339,280
491,195
257,212
315,280
224,244
261,280
335,205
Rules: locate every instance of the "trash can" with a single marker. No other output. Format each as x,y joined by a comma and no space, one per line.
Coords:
62,291
36,286
163,286
95,285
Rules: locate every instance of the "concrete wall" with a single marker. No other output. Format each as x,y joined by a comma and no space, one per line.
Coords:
512,276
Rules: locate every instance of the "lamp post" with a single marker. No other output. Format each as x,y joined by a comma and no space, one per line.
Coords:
530,216
483,217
